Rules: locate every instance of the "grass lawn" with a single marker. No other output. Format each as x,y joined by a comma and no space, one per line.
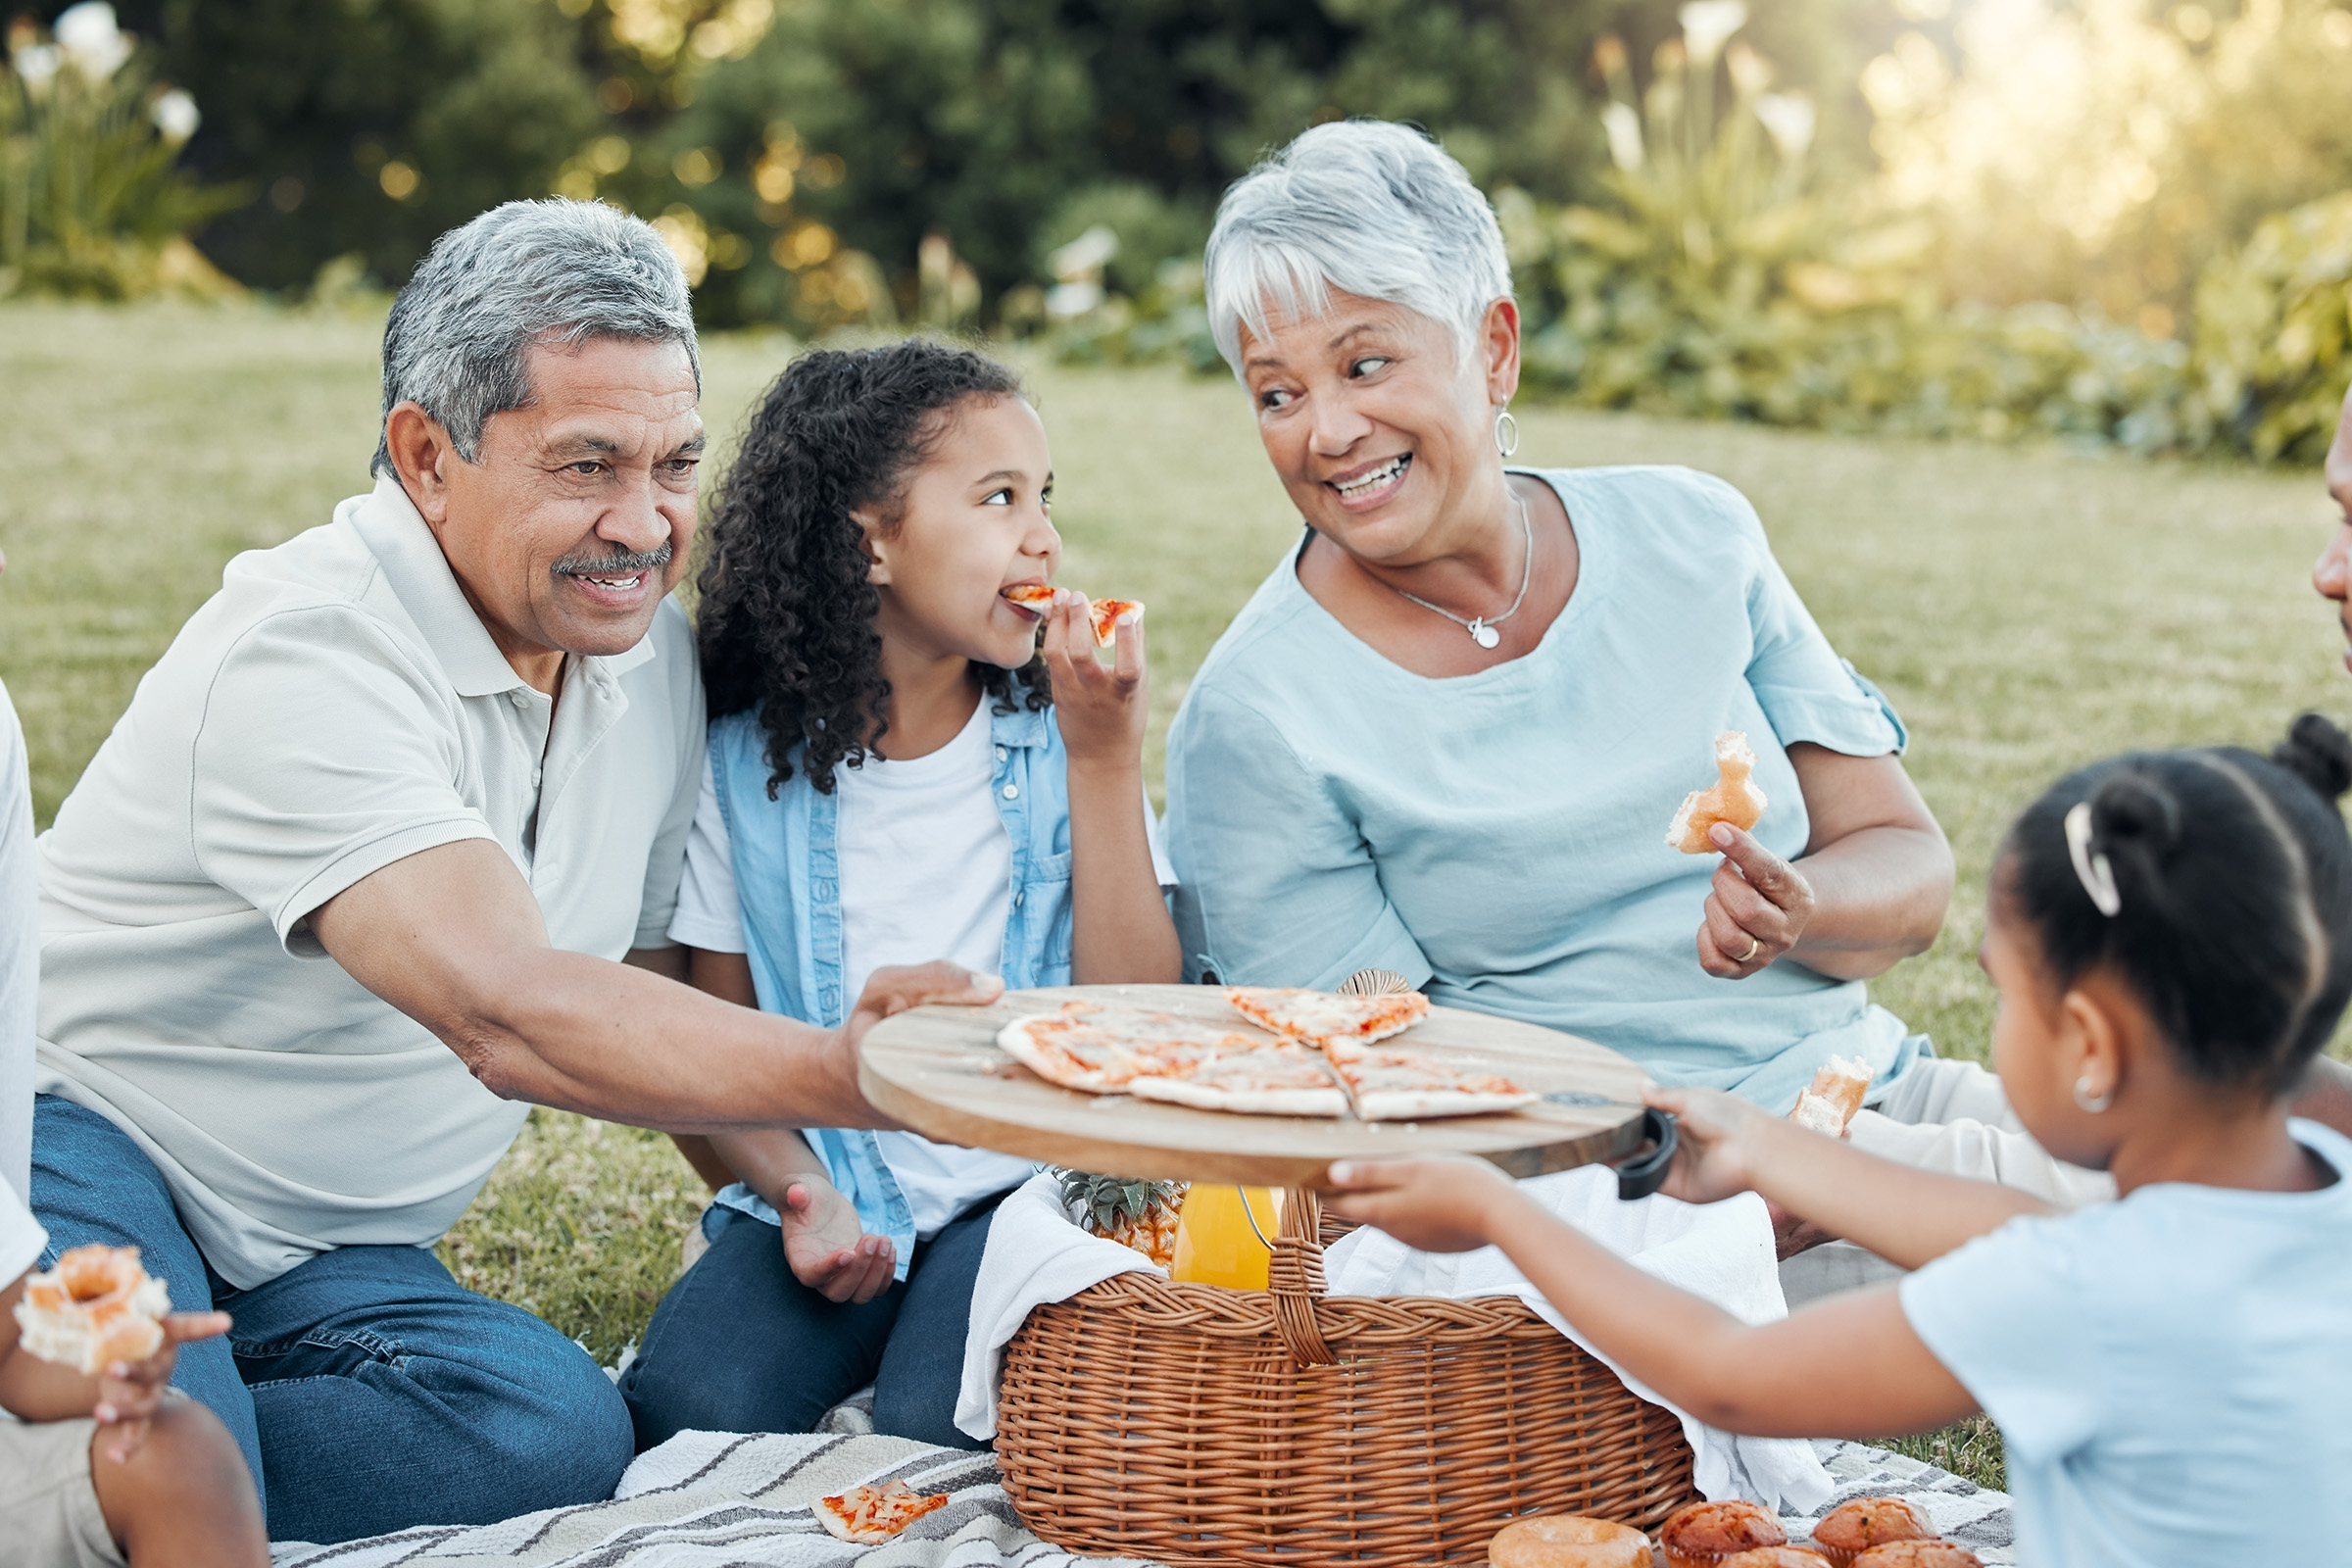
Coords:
2025,611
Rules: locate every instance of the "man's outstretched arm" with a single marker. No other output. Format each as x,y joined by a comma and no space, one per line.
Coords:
453,938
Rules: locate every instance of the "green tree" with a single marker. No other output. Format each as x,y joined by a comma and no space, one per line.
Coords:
369,127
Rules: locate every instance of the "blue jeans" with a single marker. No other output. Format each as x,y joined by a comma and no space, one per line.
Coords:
369,1390
739,1345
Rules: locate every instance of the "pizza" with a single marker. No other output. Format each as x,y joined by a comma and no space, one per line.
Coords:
1326,1015
1102,1050
1289,1072
1106,613
872,1515
1733,797
1409,1085
1282,1078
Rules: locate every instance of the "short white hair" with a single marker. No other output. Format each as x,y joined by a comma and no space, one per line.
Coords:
551,273
1372,208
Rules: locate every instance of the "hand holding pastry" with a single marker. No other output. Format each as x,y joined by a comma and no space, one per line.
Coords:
129,1392
828,1248
1756,910
1100,708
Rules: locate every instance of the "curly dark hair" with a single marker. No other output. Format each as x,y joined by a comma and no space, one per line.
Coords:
787,617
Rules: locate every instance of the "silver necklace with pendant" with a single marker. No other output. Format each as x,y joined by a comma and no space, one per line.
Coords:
1481,631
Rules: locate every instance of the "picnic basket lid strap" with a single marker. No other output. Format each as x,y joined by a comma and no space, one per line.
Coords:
1295,1275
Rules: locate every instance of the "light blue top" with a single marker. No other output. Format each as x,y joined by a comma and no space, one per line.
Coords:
2171,1373
787,882
1499,838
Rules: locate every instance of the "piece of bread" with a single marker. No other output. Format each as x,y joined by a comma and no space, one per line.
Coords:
1733,797
1567,1540
1838,1085
1704,1533
1918,1555
1855,1526
98,1306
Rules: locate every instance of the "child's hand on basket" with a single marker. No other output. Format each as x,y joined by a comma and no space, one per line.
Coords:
1101,708
1439,1204
1721,1136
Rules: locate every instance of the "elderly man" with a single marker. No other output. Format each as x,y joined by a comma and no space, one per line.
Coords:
348,883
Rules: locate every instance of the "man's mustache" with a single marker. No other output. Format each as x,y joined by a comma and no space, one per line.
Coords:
627,564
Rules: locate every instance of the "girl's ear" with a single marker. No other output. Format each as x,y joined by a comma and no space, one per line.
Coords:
2090,1049
871,542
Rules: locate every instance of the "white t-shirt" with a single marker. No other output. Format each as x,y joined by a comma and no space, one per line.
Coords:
926,872
20,957
22,1237
2172,1372
336,707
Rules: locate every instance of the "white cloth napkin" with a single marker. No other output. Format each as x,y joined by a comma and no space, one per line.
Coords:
1035,1254
1720,1251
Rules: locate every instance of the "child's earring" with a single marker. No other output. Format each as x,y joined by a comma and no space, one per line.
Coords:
2094,1103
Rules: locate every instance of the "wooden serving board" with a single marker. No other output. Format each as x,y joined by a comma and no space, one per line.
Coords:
939,1071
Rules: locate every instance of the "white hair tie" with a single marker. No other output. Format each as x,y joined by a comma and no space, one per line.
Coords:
2092,870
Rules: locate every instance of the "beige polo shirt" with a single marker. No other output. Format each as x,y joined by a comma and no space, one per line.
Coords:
335,707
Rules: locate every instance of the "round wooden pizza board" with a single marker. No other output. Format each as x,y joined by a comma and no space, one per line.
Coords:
939,1071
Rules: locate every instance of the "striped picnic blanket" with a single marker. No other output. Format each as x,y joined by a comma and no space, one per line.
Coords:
708,1499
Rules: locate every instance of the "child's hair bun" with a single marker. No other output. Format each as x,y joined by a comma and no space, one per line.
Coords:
2134,809
2319,753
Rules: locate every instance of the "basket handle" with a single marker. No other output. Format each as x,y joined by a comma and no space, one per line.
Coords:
1294,1274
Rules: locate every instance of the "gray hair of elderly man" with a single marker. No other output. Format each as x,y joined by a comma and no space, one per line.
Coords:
551,273
1372,208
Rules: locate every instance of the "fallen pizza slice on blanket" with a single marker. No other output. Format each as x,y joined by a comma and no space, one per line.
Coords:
1408,1086
870,1515
1319,1015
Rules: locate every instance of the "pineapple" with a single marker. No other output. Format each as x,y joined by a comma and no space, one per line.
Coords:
1134,1213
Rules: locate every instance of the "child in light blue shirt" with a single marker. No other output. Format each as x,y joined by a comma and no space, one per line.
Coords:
2171,935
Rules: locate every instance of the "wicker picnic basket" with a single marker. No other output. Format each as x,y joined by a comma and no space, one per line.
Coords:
1195,1424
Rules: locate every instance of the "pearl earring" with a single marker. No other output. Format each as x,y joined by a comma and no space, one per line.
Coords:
2094,1103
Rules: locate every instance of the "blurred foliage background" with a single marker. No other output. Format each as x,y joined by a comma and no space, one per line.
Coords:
2111,222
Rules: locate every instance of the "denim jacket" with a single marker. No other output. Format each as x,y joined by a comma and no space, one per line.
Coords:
786,862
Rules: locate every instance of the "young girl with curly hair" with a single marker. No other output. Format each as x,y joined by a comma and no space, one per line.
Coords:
903,765
2171,937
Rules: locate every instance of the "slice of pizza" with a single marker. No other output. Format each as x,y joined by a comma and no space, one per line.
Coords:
872,1515
1034,596
1408,1086
1279,1079
1101,1051
1106,613
1328,1016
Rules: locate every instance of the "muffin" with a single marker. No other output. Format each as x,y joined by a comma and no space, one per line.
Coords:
1918,1555
1853,1528
1776,1558
1567,1540
1704,1533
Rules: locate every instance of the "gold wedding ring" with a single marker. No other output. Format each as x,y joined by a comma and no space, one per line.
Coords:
1755,945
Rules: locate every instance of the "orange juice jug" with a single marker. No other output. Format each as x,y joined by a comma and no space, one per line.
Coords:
1224,1235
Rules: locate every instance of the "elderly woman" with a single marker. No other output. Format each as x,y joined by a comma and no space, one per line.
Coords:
1445,736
